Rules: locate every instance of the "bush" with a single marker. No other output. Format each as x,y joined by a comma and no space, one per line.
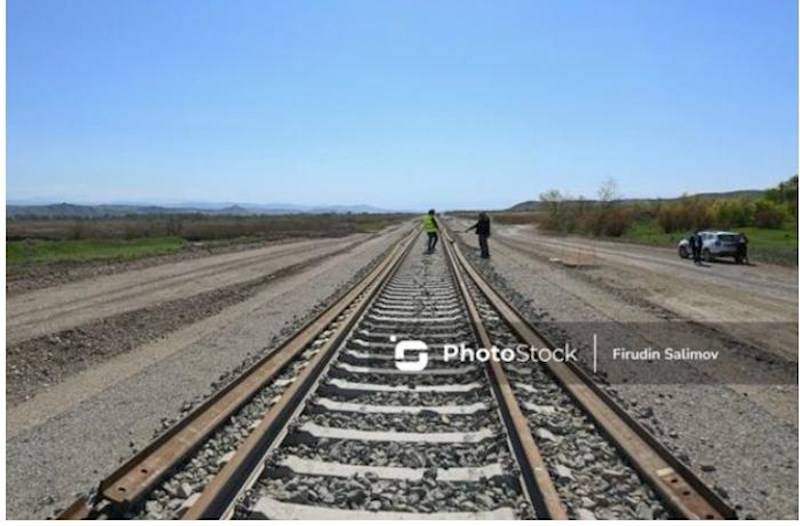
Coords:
560,212
685,215
729,213
667,218
612,222
769,214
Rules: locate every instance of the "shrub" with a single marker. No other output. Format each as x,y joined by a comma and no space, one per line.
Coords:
685,214
666,218
560,212
732,212
785,194
769,214
616,221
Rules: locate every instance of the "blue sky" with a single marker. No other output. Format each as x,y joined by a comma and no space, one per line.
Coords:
399,104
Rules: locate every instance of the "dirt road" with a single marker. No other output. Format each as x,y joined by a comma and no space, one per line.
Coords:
740,296
57,308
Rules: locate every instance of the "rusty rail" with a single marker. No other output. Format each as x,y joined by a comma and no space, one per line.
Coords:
681,490
217,498
536,479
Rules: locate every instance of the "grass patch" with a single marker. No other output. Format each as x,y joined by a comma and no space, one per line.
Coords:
773,245
772,238
648,232
38,251
372,227
39,242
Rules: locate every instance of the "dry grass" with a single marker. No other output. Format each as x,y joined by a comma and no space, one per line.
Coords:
40,242
200,227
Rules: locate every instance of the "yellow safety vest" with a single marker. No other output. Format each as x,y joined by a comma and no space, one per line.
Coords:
428,223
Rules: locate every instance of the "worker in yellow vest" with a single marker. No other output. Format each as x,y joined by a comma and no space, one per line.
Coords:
432,228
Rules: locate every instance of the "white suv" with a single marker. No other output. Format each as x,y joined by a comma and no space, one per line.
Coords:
715,244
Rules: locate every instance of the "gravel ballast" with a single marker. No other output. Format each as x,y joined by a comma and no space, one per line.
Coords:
397,440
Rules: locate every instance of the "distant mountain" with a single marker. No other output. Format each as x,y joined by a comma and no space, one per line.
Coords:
69,210
736,194
282,208
339,209
525,206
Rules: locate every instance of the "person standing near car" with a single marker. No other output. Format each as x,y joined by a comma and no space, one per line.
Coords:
741,249
696,244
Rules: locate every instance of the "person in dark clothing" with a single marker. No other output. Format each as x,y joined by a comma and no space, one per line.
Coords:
696,243
741,249
483,229
432,228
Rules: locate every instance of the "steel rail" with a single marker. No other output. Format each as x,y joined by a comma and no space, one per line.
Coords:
219,495
681,490
129,483
536,479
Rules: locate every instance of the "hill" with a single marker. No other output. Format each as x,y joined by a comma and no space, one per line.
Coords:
735,194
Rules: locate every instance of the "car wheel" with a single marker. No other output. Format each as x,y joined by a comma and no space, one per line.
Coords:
683,253
707,255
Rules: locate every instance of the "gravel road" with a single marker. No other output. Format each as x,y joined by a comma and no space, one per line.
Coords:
741,439
64,439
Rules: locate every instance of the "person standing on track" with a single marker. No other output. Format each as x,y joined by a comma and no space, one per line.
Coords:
483,229
432,228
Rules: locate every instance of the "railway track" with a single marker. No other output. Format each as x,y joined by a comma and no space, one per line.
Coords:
331,426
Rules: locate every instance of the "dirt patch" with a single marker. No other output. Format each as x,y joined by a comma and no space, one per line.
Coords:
36,364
